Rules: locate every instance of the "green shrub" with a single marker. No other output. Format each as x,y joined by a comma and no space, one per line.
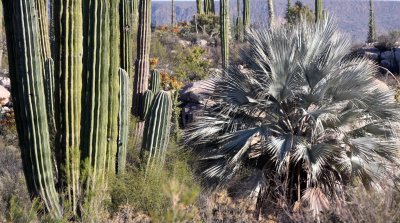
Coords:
192,64
299,12
161,194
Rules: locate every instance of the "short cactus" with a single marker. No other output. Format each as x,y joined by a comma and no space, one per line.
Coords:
148,97
156,131
123,120
155,81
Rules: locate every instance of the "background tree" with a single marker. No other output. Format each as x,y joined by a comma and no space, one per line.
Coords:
371,25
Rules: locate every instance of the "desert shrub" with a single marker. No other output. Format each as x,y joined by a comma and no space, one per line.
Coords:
207,24
160,192
307,121
388,41
299,13
192,65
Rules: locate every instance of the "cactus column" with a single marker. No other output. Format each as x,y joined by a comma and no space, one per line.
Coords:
123,120
246,14
27,74
271,13
199,4
224,32
371,24
318,10
142,63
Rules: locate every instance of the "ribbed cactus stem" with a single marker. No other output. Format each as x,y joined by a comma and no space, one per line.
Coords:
172,13
113,102
50,92
148,97
70,69
27,74
199,4
246,14
271,13
224,26
239,29
318,10
123,120
157,127
371,25
142,63
212,7
155,81
127,28
208,7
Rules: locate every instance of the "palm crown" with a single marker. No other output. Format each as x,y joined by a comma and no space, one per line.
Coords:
311,118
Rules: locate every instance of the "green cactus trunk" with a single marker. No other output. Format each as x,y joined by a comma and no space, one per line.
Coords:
172,13
27,74
371,25
208,9
239,29
156,132
123,120
128,18
212,7
142,64
69,66
246,14
199,4
155,81
224,32
318,10
148,97
113,104
271,13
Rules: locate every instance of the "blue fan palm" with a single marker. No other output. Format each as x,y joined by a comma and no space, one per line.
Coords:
309,117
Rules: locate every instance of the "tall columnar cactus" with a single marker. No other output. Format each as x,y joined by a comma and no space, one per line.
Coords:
128,29
155,81
147,100
142,64
172,13
246,14
86,70
113,102
224,32
123,120
199,4
212,7
27,74
49,82
208,7
239,23
271,13
156,132
288,3
318,10
371,25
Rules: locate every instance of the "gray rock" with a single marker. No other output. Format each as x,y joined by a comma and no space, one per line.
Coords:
4,96
370,52
5,82
184,43
202,42
387,55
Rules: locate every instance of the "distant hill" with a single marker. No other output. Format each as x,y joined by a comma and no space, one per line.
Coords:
352,15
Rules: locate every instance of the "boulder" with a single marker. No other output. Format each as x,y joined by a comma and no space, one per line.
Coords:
4,96
184,43
387,55
370,52
202,42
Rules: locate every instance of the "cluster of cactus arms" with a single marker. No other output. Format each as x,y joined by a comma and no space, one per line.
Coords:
318,10
271,13
157,130
90,91
246,14
199,4
224,32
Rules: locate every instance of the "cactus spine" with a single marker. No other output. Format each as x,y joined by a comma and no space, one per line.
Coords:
155,81
156,132
271,13
371,24
199,4
224,32
123,120
246,14
27,74
318,10
142,66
